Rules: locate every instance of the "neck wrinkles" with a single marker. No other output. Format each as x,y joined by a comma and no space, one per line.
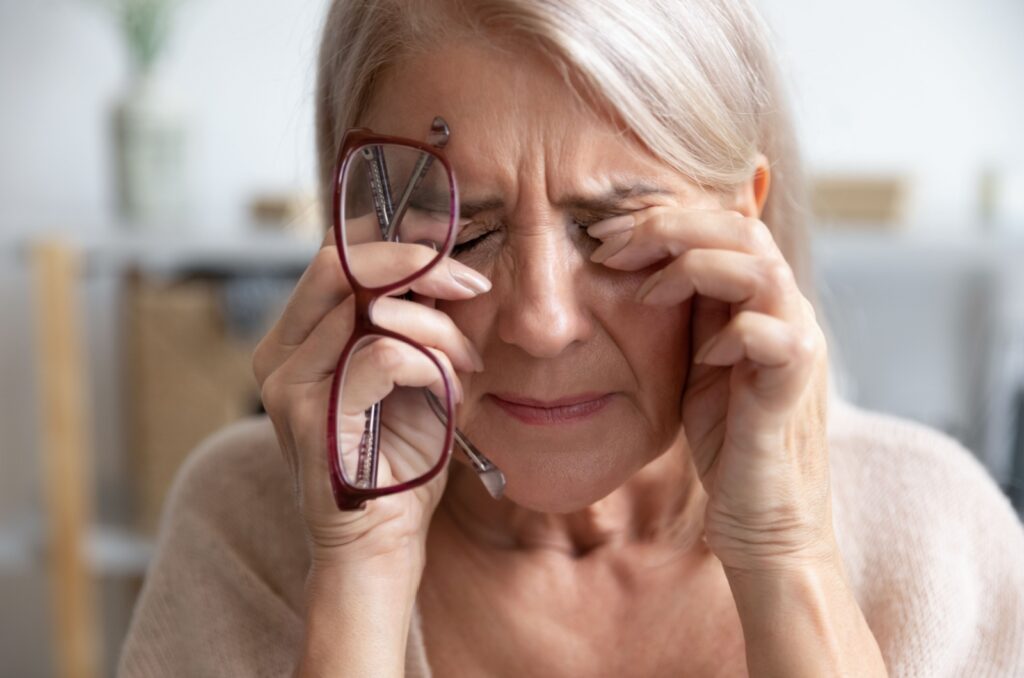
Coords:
662,504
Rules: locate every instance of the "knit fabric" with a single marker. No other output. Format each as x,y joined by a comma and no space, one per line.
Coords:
934,551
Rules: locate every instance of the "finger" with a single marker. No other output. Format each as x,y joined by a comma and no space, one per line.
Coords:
317,357
323,286
374,264
376,368
751,282
428,326
782,354
708,318
660,232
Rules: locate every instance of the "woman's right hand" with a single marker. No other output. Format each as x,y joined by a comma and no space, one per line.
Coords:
294,365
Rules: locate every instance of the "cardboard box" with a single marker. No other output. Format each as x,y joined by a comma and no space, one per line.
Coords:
186,375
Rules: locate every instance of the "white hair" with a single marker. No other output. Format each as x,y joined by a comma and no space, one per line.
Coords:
696,81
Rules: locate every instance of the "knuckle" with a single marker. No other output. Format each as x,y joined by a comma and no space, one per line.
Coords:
744,322
777,273
272,395
755,234
805,344
385,355
690,259
258,362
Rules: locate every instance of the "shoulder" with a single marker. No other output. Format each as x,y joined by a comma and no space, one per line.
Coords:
236,486
887,470
224,589
934,550
239,461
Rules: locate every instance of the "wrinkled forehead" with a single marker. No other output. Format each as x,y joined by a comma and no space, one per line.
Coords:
512,118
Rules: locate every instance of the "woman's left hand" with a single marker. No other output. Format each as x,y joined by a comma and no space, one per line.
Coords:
754,408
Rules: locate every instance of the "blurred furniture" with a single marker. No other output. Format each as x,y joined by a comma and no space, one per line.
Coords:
859,200
188,376
66,458
190,313
930,326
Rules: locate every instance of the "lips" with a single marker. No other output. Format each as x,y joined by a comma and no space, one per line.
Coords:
569,409
559,402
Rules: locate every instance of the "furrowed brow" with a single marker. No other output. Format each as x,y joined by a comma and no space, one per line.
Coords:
469,208
611,198
606,200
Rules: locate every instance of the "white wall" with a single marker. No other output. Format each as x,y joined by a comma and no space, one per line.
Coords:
242,68
931,87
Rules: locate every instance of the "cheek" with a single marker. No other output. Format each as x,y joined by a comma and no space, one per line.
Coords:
656,341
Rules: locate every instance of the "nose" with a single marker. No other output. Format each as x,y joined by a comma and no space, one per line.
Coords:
543,309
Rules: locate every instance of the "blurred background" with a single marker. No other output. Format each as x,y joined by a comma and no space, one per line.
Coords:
156,205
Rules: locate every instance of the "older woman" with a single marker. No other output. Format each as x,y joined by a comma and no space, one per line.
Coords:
620,323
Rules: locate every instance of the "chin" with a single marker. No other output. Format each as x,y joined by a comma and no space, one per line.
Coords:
559,483
552,470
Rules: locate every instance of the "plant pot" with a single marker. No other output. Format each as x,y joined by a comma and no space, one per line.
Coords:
150,146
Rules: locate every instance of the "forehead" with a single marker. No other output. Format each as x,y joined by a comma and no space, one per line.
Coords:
512,117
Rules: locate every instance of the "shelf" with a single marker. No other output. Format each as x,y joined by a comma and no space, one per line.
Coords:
162,254
109,550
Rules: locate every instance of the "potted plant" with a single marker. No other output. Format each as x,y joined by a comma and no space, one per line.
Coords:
149,127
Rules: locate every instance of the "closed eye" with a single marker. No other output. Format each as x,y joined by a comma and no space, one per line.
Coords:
584,220
461,247
467,245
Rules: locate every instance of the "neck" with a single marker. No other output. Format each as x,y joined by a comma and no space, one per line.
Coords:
661,504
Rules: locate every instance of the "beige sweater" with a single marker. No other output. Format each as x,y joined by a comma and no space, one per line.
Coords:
934,551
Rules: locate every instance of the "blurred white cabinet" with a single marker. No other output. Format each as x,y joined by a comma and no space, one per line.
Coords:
930,327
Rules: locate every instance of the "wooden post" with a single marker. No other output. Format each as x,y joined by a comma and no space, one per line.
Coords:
65,461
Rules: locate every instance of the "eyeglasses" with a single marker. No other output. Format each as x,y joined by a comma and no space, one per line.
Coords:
385,437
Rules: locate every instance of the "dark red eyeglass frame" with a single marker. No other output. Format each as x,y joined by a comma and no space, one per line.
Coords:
347,496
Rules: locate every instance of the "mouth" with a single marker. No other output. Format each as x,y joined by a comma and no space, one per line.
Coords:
570,409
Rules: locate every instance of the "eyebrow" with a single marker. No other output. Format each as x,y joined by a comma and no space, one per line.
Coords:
595,202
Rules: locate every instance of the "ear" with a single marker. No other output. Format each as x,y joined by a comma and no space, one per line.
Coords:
751,195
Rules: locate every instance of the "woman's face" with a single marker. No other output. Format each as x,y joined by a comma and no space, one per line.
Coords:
554,324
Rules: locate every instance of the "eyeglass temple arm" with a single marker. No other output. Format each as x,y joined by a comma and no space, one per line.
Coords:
438,138
380,189
489,474
380,185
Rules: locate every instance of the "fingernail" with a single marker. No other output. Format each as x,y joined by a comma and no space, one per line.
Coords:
470,279
607,227
647,286
478,361
611,246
